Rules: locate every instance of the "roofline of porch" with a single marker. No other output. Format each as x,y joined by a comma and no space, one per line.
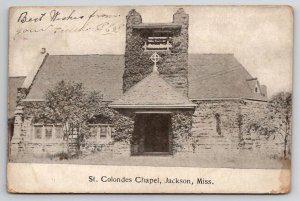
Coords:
221,99
188,106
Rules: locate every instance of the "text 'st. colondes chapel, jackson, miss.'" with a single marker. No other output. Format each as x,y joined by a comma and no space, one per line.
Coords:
167,102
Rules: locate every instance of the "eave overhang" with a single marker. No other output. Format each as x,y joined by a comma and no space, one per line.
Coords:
118,106
157,26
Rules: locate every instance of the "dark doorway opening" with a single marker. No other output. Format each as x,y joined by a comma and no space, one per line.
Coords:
152,132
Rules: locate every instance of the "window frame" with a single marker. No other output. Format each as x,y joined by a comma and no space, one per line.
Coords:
34,132
54,138
99,139
44,139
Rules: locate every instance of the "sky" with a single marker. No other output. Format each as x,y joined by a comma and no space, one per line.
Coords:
261,38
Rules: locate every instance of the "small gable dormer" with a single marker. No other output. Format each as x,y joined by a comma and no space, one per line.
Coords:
256,87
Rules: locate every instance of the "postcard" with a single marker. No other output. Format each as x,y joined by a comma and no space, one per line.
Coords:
150,99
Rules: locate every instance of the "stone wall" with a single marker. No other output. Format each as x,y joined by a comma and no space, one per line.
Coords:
122,124
45,149
224,128
215,127
23,143
18,143
182,140
254,112
173,64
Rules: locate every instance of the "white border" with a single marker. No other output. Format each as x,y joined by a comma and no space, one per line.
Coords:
5,4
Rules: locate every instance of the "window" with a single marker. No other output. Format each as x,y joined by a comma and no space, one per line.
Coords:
59,133
103,132
158,41
93,132
256,88
55,133
218,124
38,132
48,132
100,132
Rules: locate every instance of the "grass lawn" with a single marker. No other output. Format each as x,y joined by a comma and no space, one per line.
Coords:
236,161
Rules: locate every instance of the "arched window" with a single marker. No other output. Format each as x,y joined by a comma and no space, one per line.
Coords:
218,124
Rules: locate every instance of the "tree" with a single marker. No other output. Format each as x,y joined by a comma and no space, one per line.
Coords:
278,121
68,103
280,108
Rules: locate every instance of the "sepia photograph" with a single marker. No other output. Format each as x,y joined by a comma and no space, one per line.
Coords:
126,88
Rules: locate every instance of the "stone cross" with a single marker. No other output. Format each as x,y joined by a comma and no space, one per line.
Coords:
155,58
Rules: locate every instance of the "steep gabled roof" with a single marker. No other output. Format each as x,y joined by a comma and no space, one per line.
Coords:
13,84
213,76
102,73
153,91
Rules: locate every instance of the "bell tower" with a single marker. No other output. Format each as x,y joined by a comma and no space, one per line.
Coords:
169,40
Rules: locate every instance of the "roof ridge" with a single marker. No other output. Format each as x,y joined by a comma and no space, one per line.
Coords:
211,53
19,76
211,66
124,54
87,55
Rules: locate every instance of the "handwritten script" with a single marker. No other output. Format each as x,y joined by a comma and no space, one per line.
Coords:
55,21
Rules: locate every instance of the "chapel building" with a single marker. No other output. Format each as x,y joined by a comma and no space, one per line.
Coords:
164,100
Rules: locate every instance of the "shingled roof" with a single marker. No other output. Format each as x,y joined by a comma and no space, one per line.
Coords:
211,76
102,73
13,84
153,91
